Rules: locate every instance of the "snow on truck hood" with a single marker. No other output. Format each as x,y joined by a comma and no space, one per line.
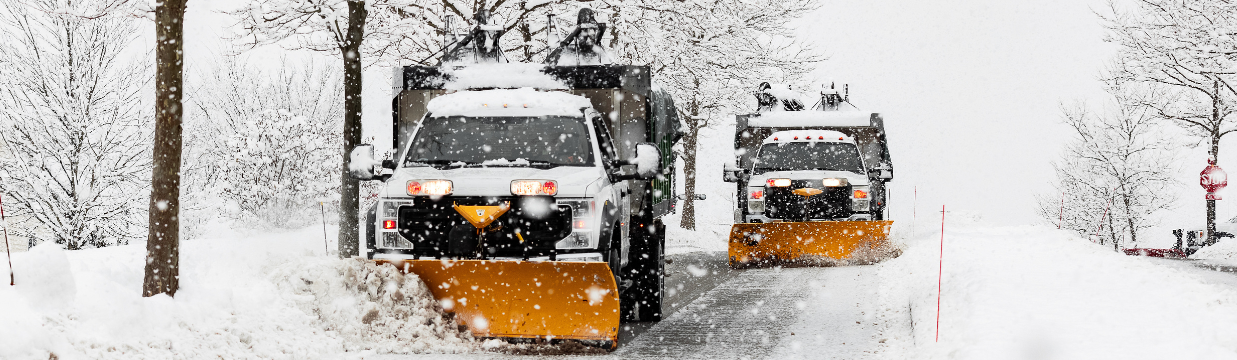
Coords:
573,181
852,178
508,102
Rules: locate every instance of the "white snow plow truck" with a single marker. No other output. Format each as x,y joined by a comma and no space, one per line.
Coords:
528,197
810,182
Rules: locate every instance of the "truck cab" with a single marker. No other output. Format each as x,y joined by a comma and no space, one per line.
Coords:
545,157
790,167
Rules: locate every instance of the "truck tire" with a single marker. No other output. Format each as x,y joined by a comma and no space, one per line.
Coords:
646,270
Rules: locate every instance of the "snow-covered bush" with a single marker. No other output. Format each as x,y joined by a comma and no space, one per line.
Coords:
265,147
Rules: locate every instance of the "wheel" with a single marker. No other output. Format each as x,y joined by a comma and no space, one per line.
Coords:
646,269
613,254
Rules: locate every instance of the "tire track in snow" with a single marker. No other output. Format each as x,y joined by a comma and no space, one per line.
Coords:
745,316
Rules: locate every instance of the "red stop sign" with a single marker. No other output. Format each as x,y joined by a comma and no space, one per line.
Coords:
1213,179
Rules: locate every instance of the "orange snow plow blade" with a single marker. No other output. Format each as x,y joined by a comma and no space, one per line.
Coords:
813,242
525,299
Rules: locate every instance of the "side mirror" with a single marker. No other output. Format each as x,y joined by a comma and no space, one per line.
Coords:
647,160
361,162
882,173
732,173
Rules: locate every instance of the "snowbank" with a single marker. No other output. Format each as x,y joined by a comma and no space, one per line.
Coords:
1223,252
1040,293
271,296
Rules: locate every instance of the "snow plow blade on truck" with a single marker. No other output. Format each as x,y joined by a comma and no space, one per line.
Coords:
809,243
525,299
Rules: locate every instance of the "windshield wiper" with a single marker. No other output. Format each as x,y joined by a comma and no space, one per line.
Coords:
521,163
433,163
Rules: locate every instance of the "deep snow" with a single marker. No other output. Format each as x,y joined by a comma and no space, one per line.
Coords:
273,296
1039,293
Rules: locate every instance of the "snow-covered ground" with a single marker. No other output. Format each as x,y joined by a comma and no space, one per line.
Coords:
271,296
1224,252
1039,293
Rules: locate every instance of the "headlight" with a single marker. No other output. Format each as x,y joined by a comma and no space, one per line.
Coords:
778,182
429,187
833,182
534,187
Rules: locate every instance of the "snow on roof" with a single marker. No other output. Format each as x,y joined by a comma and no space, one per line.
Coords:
811,118
809,135
508,102
502,76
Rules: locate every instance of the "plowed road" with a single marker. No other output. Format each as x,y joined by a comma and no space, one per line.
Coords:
718,313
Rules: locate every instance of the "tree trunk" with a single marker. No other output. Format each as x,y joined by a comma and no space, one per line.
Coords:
1129,220
163,239
1112,233
689,179
1215,156
349,188
688,221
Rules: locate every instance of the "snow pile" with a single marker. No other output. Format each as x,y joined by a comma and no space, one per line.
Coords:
371,307
269,296
1223,252
1039,293
501,76
508,102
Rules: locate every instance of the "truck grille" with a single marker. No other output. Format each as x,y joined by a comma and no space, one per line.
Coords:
833,203
434,228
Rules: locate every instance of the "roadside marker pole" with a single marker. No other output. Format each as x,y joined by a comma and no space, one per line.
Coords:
940,270
914,211
7,251
325,247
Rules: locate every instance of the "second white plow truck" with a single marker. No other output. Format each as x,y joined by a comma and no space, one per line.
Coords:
810,182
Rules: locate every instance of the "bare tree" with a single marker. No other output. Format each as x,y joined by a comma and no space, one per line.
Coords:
1112,177
266,142
703,53
162,275
72,122
1186,48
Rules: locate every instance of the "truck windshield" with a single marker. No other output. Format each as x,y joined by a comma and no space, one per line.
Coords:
501,141
788,156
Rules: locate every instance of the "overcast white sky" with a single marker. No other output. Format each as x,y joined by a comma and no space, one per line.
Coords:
970,90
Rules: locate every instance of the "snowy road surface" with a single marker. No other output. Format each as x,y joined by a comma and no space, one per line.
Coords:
818,313
716,312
